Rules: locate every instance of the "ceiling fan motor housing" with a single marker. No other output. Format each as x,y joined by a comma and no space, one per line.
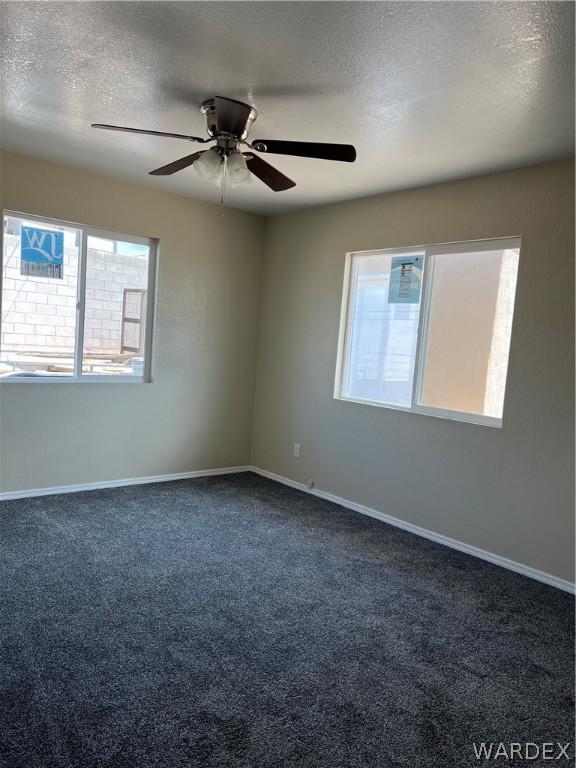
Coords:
228,123
221,124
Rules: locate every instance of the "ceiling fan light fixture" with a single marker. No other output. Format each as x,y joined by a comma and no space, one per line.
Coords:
209,166
228,122
237,170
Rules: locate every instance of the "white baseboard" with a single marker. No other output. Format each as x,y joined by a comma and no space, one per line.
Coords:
504,562
8,495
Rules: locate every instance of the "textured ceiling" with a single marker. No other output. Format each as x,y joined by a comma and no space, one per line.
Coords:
427,91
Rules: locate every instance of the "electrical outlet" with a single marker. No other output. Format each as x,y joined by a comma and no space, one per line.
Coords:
296,451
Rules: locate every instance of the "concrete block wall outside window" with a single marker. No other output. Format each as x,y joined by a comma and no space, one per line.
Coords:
90,317
35,312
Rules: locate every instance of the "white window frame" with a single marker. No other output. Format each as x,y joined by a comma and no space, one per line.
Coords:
88,231
344,340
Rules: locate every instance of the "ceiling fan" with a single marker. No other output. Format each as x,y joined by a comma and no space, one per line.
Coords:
228,123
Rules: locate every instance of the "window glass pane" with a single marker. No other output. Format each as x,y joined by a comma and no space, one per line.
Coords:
39,296
383,327
469,328
115,311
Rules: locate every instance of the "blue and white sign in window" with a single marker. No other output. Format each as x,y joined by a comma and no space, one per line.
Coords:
42,253
405,279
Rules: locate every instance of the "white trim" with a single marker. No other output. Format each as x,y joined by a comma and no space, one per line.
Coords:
111,234
478,243
346,326
426,410
87,231
341,351
9,495
422,331
108,234
86,378
43,219
80,306
482,554
474,246
150,311
469,418
504,562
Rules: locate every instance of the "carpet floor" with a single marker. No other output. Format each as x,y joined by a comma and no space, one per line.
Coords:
232,621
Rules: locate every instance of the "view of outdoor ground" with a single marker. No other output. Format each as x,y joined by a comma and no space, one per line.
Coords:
40,314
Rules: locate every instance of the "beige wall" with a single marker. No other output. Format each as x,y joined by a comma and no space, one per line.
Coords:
197,412
508,491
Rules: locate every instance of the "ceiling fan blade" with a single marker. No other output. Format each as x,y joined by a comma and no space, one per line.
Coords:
273,178
231,115
149,133
177,165
346,153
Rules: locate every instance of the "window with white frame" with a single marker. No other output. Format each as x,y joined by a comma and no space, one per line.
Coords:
428,329
76,302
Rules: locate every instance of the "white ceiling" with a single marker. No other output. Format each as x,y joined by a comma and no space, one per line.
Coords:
426,91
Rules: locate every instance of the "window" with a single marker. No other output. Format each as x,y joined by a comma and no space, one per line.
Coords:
428,329
76,302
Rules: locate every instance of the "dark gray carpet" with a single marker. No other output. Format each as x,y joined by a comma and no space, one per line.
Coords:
232,621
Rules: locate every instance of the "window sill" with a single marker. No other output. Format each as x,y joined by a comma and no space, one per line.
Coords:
73,380
438,413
